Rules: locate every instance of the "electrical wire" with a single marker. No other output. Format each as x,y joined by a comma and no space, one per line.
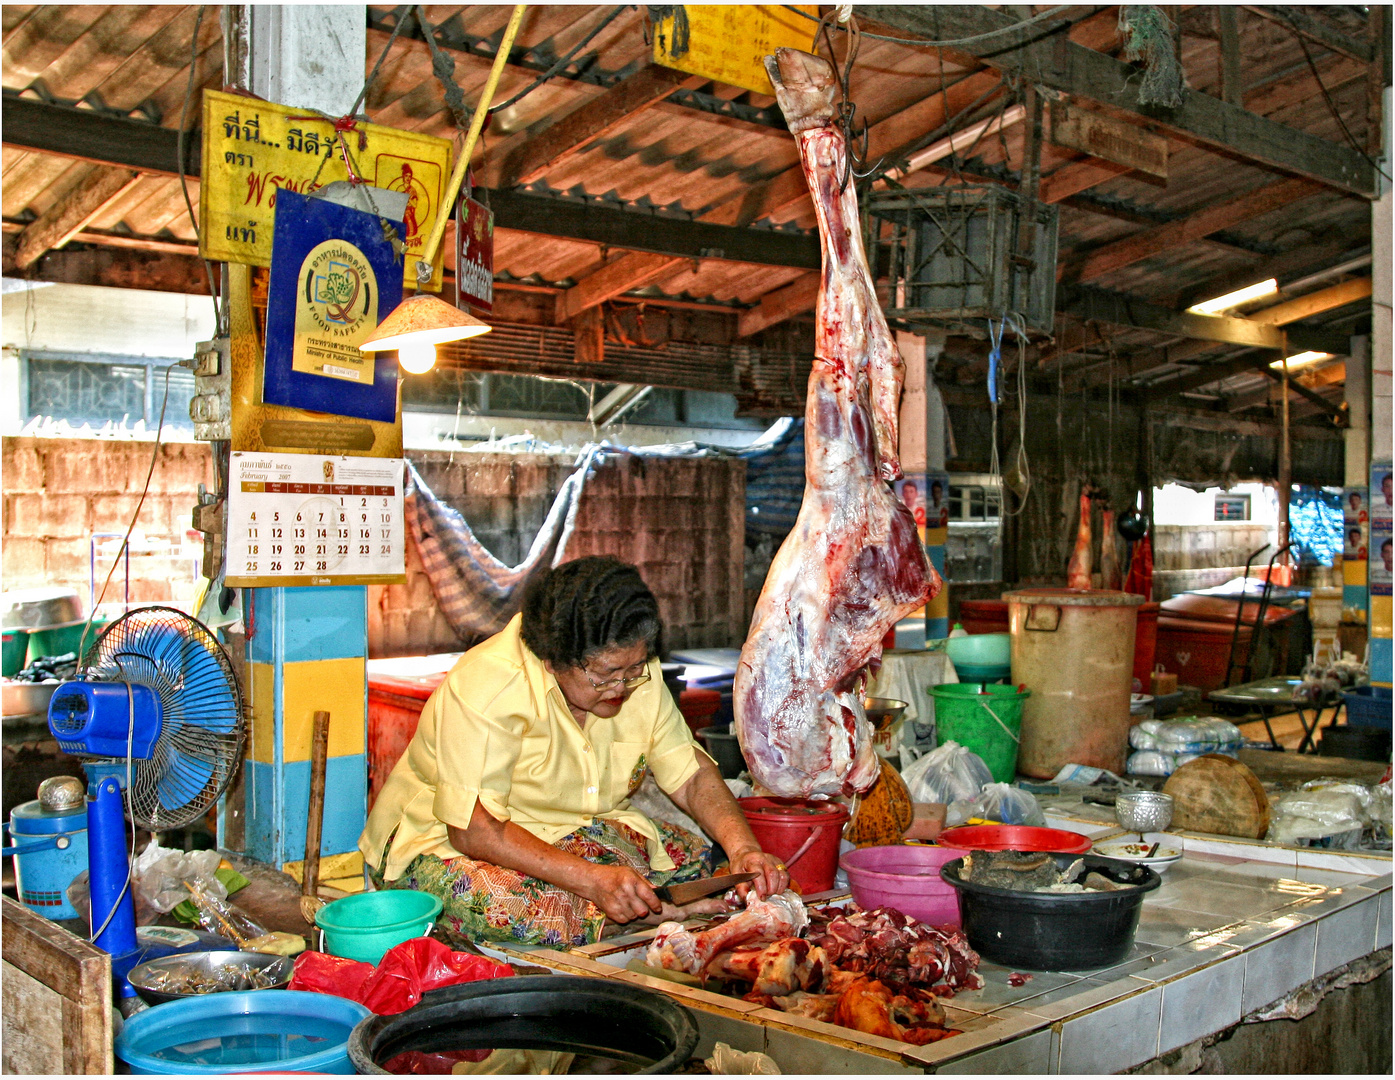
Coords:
1326,97
126,540
220,314
562,63
952,42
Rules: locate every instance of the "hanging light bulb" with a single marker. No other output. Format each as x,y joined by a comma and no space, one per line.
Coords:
416,357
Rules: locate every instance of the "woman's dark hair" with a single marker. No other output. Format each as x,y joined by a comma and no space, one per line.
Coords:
585,606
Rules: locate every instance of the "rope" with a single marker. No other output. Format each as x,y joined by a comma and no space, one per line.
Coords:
561,64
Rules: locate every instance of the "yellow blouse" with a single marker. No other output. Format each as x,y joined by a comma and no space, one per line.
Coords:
499,730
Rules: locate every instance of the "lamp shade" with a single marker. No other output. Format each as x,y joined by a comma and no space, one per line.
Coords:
423,320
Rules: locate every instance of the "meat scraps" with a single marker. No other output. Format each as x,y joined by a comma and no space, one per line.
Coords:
890,946
853,565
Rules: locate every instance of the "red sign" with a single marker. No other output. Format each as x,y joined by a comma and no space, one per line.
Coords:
474,254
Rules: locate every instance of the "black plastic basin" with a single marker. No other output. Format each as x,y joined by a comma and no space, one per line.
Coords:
1054,931
598,1017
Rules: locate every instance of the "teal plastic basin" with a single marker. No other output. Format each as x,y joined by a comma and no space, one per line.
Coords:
366,925
243,1031
981,657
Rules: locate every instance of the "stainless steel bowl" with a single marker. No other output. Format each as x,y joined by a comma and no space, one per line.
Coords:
1143,811
26,698
38,608
154,978
883,712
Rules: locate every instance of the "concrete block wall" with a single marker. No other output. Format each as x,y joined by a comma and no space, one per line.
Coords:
680,520
1189,557
57,492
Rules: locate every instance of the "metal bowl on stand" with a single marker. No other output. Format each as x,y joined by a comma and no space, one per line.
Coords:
1143,811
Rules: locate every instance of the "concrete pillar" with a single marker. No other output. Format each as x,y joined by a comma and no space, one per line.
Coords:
306,647
1380,436
923,451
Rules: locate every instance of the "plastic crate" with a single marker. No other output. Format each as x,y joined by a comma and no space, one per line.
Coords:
1368,706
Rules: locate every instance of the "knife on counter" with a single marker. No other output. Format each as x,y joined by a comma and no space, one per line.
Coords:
688,891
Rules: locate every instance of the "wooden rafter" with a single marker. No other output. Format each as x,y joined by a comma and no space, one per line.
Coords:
1050,60
66,218
775,307
1195,226
1314,303
1315,29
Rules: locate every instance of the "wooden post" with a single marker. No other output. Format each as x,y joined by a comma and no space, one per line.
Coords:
1232,92
314,823
1285,469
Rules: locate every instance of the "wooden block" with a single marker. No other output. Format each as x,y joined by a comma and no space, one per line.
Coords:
1163,682
1217,794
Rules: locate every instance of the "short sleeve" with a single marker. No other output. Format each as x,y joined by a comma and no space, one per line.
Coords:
477,749
673,751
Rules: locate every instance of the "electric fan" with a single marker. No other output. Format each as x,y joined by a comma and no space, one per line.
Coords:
157,714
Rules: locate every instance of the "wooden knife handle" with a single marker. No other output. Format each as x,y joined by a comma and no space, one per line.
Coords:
314,822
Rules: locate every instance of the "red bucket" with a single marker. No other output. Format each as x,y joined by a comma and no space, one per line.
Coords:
802,834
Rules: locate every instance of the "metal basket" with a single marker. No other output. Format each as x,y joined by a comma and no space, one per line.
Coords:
954,255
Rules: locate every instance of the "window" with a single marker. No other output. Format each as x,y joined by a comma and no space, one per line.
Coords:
97,389
1232,507
973,502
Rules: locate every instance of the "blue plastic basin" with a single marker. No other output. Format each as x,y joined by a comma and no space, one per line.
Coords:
242,1031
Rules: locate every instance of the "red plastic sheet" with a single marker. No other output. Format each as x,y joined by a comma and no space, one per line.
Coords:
405,973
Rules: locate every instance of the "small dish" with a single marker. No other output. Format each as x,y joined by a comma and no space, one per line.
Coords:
1128,849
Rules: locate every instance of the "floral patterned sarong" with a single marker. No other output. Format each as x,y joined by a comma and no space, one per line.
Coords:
484,902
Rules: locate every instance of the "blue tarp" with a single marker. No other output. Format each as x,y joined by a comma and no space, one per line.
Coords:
1315,524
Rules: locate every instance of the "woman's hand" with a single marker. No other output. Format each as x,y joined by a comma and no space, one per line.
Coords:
621,893
774,876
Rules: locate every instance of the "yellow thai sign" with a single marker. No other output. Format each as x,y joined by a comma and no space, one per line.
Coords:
252,149
729,42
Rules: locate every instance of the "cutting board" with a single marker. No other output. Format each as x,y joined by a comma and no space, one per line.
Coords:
1217,794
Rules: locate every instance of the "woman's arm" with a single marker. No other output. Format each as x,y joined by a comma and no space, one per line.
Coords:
617,890
706,798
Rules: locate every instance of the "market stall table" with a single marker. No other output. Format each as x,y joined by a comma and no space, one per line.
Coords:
1273,696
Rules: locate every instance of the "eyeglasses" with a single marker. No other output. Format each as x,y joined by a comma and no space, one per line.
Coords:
607,684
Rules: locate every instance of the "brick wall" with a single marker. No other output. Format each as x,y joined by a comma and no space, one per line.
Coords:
1200,556
57,492
680,520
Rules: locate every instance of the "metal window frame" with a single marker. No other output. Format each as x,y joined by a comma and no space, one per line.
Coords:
149,363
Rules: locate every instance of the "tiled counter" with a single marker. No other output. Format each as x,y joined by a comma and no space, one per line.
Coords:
1234,927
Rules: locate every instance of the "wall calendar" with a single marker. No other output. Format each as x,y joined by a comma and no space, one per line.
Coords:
308,519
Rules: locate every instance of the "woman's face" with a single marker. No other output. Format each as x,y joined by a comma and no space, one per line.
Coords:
608,668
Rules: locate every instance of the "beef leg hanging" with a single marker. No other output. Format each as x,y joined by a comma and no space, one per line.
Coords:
853,565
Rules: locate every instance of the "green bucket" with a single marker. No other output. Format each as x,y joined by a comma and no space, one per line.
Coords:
985,718
366,925
16,645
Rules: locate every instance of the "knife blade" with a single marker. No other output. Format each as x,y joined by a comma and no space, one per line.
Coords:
688,891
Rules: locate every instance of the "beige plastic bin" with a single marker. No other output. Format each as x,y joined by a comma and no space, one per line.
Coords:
1073,649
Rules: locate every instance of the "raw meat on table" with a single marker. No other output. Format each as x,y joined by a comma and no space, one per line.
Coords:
890,946
678,949
853,565
782,967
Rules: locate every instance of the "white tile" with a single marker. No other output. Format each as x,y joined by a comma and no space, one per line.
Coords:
1329,877
979,1034
1169,926
1346,934
1233,896
1232,847
714,1028
1137,951
1277,966
1200,1003
1346,863
1113,1037
997,992
1081,997
1383,921
1029,1054
1179,960
800,1054
1378,883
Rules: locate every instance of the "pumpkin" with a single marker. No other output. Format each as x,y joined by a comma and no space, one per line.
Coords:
883,814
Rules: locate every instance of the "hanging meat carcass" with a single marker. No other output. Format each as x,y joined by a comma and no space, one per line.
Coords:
1110,578
1078,571
853,565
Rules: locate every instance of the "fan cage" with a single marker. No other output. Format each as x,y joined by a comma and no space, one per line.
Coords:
203,731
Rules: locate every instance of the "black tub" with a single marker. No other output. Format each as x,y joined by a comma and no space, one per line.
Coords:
1054,931
599,1017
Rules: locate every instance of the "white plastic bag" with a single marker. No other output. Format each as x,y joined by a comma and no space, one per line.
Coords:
949,773
997,802
159,874
728,1062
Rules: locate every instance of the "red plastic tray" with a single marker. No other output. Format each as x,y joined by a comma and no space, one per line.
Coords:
1014,838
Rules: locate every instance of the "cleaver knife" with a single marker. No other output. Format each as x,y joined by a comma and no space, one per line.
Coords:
688,891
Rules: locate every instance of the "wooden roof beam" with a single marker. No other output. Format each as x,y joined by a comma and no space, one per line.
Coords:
1183,231
68,217
780,304
1050,59
1314,303
528,155
1316,30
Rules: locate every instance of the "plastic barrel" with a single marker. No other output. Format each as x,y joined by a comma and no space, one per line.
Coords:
366,925
802,833
51,850
985,718
16,644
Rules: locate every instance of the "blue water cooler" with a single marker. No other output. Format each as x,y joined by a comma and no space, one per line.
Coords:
49,846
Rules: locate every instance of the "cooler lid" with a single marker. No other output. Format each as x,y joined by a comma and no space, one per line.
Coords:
1074,597
33,819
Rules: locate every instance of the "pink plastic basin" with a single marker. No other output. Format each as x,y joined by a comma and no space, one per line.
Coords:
906,878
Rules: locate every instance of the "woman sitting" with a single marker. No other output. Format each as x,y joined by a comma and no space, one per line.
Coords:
511,803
